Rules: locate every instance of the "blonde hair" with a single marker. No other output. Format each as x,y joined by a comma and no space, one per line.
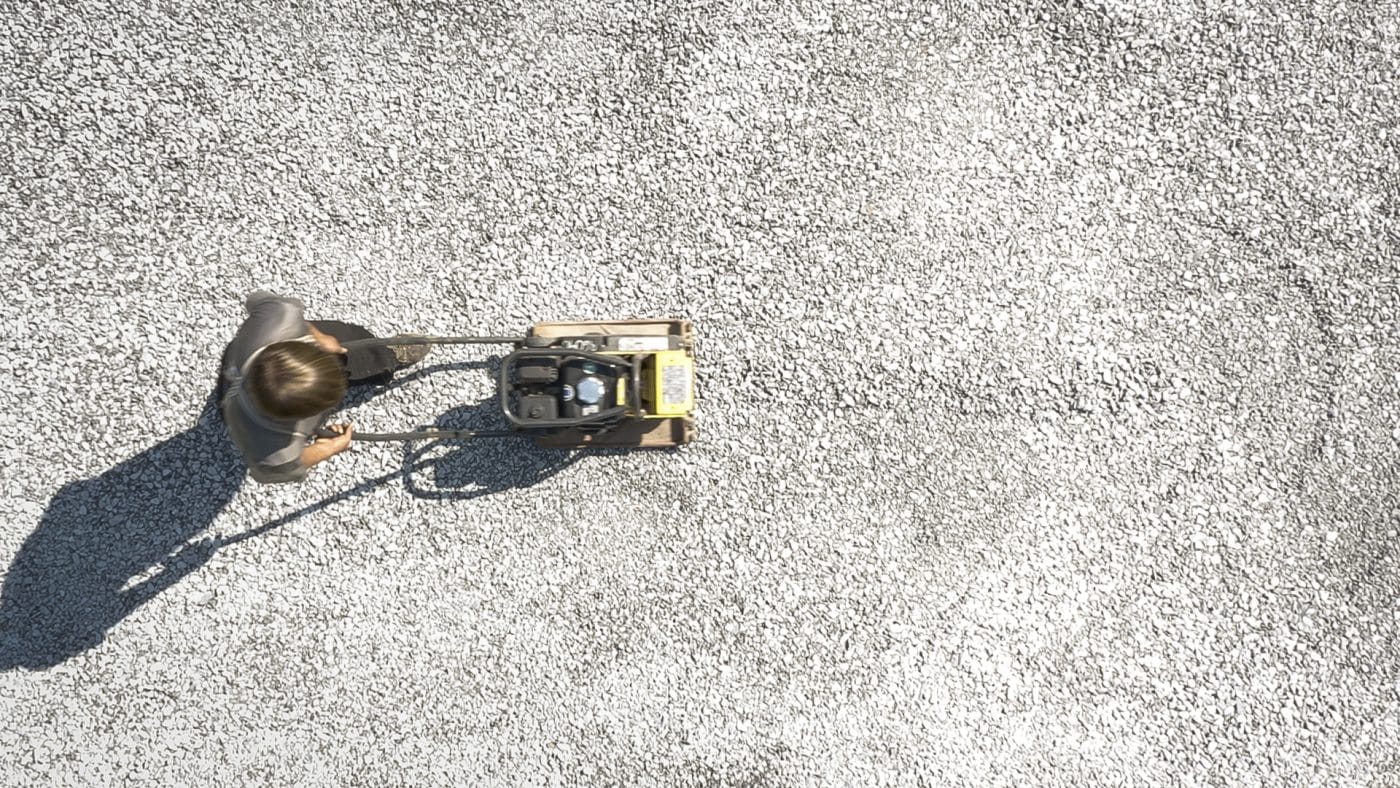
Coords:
295,380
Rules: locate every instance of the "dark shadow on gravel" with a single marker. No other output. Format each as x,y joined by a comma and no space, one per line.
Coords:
109,544
461,470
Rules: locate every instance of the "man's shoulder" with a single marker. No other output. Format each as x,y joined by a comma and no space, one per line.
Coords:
270,320
259,298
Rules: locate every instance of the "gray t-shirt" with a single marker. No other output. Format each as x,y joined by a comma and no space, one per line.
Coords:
271,447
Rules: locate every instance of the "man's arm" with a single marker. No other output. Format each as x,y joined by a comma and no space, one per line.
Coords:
323,449
326,342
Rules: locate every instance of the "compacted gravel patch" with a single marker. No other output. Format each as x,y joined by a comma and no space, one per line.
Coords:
1049,394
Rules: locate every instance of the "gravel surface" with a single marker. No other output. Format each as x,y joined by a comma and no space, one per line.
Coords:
1050,394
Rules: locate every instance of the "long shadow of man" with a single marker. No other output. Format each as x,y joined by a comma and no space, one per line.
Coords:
109,544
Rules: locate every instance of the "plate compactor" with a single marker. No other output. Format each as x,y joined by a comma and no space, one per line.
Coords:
574,385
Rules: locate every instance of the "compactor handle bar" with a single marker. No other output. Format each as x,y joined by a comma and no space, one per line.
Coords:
428,433
387,341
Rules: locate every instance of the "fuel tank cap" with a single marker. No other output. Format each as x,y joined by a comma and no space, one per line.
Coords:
590,390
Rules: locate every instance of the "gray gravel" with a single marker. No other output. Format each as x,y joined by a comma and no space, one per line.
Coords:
1050,394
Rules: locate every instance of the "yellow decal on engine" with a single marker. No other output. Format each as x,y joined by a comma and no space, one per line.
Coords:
672,383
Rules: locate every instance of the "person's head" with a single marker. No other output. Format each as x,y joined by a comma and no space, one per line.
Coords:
295,380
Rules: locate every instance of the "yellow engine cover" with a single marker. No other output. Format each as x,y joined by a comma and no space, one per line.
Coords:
671,388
